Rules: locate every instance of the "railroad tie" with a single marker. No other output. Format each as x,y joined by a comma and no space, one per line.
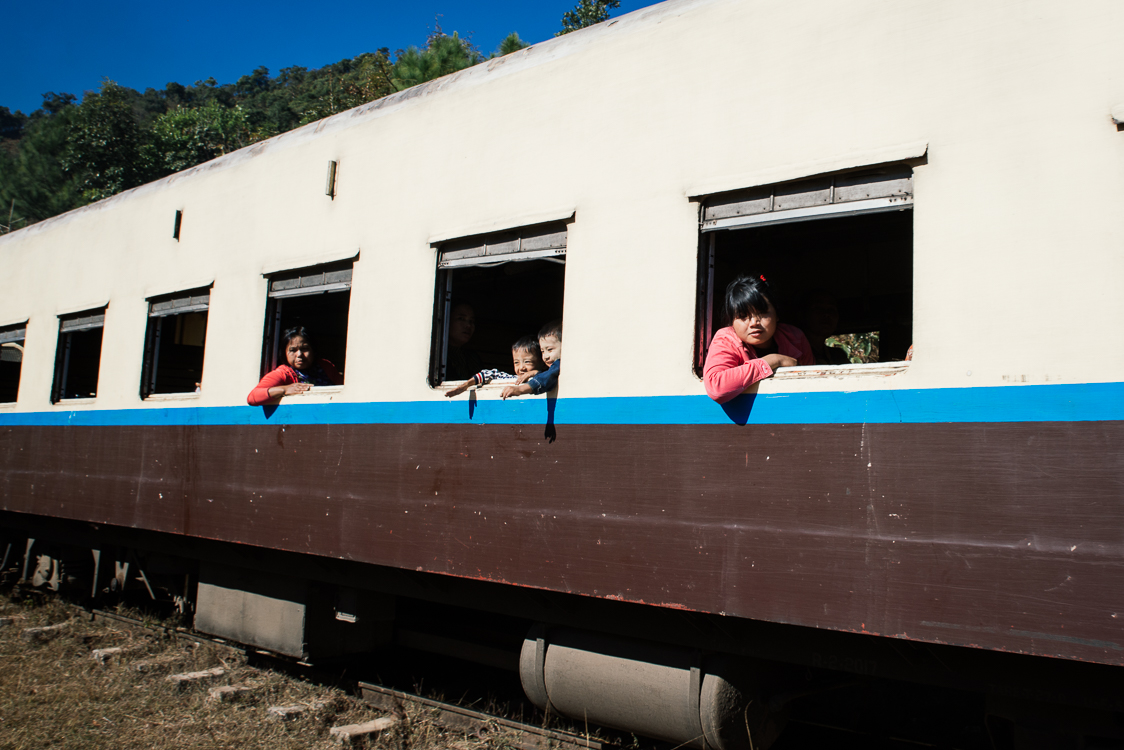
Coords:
355,731
160,663
44,634
284,713
227,693
183,680
105,655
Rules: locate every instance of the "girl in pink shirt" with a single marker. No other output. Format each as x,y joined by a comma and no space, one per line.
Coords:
754,345
302,371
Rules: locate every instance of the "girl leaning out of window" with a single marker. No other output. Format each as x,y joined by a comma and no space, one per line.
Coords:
302,371
754,345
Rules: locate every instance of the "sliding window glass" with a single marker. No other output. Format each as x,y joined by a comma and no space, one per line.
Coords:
174,343
491,291
316,299
838,250
11,361
78,355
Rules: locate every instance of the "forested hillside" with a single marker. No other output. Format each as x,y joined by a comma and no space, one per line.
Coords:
69,153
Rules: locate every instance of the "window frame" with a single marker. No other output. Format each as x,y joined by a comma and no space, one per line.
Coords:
759,208
14,336
69,324
300,282
162,306
538,241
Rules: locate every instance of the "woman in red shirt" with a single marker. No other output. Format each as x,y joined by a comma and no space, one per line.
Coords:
754,345
304,370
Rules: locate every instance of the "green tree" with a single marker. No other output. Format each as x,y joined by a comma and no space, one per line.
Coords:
586,13
346,84
11,124
107,151
511,43
33,184
67,154
442,56
53,104
183,138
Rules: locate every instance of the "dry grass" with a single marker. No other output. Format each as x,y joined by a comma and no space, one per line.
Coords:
53,694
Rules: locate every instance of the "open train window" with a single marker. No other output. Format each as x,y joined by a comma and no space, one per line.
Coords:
78,355
836,247
511,283
317,298
11,361
174,342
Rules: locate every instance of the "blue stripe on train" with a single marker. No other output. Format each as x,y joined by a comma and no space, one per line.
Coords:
1031,403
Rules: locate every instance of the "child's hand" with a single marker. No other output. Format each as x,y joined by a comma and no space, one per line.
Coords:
460,389
515,390
776,361
526,376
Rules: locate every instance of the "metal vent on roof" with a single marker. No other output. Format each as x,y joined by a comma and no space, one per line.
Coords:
82,322
528,243
848,194
182,303
310,281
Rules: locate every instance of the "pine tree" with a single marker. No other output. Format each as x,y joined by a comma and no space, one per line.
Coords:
442,56
586,13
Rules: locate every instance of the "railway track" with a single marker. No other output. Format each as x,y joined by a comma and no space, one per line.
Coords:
472,721
479,723
402,705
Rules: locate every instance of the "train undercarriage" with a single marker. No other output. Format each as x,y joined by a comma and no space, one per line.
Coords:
694,679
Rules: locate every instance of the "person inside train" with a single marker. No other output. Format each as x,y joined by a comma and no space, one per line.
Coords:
550,345
754,345
821,318
303,369
526,363
460,362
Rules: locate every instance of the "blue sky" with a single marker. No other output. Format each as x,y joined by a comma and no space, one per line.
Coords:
70,46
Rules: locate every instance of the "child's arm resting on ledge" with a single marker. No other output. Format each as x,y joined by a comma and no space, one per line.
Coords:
726,375
481,378
541,383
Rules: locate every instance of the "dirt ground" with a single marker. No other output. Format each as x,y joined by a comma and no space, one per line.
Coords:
55,694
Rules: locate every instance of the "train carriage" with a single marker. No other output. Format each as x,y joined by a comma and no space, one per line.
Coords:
951,175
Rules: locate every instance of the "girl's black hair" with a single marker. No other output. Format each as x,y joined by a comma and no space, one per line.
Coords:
302,332
530,343
747,294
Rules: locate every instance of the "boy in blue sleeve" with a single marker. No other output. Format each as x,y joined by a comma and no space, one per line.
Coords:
550,344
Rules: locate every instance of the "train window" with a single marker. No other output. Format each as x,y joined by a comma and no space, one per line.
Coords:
78,355
11,361
317,298
511,282
838,248
173,343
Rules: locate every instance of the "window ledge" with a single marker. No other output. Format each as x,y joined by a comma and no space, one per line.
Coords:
75,401
883,369
497,383
7,406
317,394
492,388
172,396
